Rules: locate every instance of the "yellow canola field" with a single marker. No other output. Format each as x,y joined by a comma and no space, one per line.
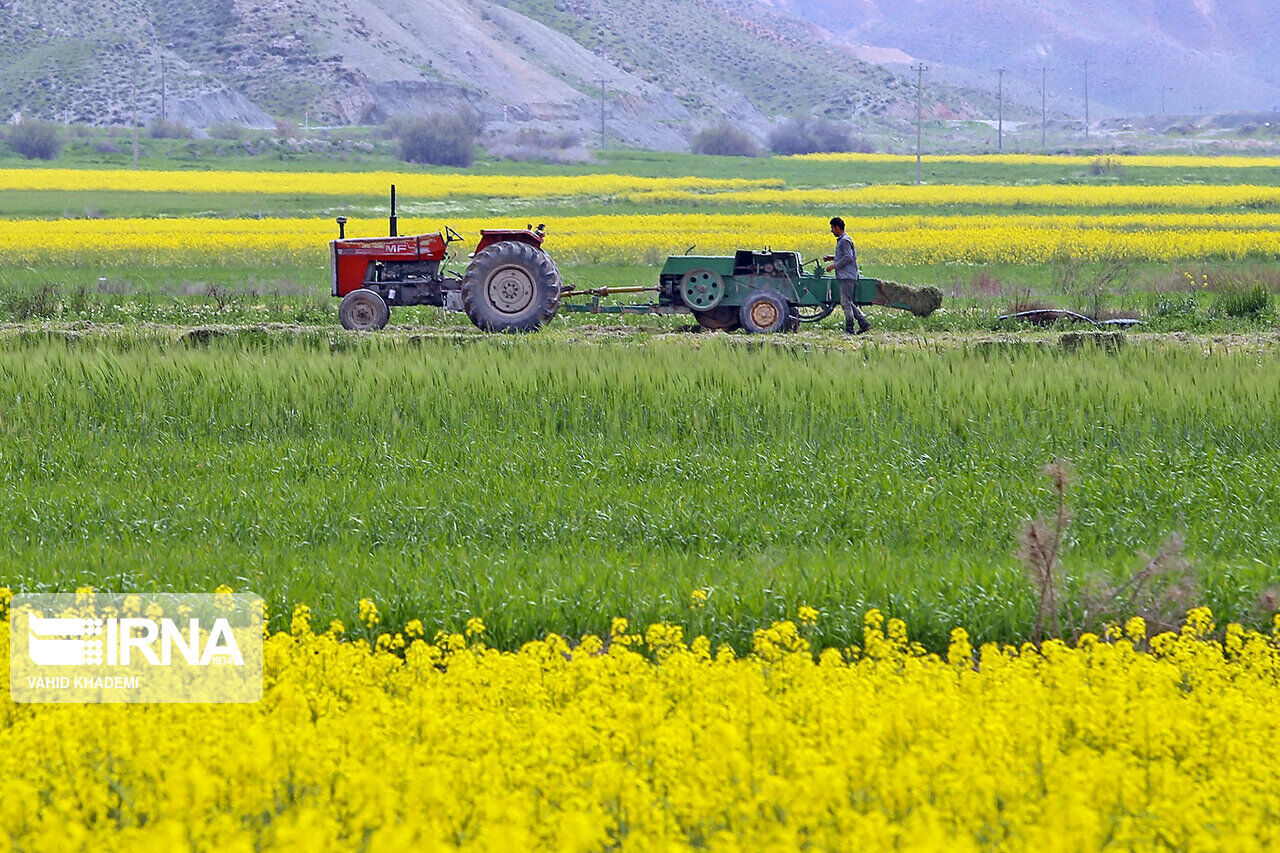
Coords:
417,187
1017,239
653,742
1154,161
1197,197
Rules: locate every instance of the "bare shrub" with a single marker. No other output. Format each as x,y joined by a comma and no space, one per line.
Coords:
441,139
723,139
36,139
1160,591
985,283
532,144
810,135
163,129
1024,299
229,130
1108,166
40,302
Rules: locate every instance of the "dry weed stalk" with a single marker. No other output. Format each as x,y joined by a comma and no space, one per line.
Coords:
1161,591
1040,552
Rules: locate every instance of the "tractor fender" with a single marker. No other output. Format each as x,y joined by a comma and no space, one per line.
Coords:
489,238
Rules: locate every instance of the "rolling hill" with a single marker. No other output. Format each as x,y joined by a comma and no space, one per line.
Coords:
665,65
1145,56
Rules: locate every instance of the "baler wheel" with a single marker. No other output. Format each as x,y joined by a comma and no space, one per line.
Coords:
764,312
702,290
511,287
363,310
722,318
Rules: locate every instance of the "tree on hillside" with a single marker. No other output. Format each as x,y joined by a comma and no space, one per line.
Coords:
36,139
441,139
725,140
810,135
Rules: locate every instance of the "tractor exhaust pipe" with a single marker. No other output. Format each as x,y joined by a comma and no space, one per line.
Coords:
342,227
395,231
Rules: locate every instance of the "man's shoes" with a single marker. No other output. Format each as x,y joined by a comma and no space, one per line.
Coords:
852,328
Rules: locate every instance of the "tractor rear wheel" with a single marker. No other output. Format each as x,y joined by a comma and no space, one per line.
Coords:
722,318
764,312
511,287
363,311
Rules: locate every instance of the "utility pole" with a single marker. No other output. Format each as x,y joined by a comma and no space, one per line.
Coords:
164,88
134,122
1000,116
1044,107
1086,99
1163,90
919,123
603,138
1126,90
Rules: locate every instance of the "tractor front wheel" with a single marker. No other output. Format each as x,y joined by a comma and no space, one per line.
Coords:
511,287
363,311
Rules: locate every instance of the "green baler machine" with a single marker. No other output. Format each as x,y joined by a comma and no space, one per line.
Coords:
759,291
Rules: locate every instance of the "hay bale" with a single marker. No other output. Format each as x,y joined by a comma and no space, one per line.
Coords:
921,301
1110,341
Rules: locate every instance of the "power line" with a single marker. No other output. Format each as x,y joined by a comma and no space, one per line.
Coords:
1126,90
1044,107
1086,99
1000,115
603,135
920,69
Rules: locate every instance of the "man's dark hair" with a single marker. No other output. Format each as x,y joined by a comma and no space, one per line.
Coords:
837,222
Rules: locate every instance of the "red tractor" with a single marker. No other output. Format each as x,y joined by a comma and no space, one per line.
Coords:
511,284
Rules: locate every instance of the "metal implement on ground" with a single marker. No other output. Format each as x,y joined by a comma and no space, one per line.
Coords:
512,285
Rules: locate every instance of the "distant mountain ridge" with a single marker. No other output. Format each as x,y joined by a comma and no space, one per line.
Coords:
1191,56
665,65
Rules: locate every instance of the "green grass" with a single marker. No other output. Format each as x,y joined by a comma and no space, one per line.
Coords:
337,154
1168,297
551,482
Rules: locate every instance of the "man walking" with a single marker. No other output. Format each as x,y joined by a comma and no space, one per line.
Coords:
846,270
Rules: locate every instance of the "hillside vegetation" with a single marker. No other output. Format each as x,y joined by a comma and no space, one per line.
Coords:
666,65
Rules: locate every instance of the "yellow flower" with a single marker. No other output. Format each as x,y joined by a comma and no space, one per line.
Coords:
369,613
559,747
300,624
414,629
475,626
698,598
808,615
